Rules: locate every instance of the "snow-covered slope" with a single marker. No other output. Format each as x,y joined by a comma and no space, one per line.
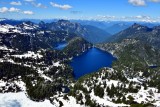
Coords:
20,100
9,29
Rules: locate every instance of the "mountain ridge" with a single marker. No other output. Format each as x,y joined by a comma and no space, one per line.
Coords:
139,32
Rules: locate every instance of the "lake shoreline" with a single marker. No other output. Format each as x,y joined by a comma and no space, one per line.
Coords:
91,61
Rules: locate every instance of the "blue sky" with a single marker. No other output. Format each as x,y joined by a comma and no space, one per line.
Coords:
140,10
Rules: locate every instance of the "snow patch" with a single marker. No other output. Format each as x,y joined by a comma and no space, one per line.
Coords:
2,83
30,54
21,100
6,49
56,64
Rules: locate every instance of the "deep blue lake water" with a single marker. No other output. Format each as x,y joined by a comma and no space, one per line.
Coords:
91,61
61,46
154,66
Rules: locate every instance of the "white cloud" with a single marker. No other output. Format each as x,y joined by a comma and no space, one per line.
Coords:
105,17
29,0
64,7
28,12
155,1
5,9
40,5
109,17
142,17
137,2
12,9
16,3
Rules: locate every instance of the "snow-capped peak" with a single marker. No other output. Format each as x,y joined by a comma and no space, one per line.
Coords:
6,28
28,26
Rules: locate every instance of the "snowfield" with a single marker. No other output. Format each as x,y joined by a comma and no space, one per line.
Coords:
104,101
8,29
21,100
68,103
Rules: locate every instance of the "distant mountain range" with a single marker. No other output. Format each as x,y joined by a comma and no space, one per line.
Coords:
117,28
114,27
90,33
111,27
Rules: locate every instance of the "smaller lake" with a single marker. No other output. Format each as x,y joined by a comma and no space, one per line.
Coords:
61,46
154,66
91,61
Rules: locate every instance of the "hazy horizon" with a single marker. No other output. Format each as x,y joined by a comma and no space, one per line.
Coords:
104,10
